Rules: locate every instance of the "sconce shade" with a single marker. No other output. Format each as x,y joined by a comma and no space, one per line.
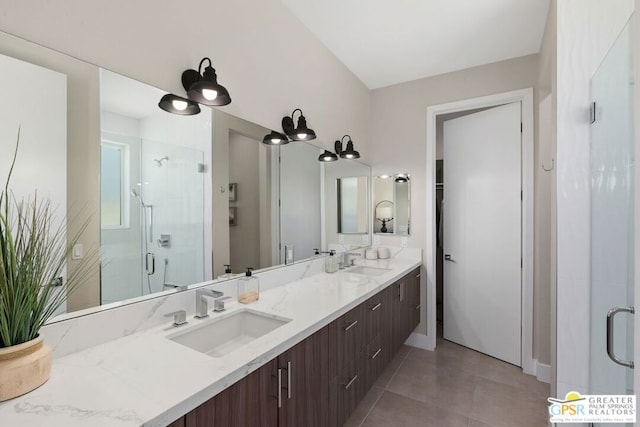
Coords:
299,133
402,178
327,156
177,105
275,138
204,88
349,153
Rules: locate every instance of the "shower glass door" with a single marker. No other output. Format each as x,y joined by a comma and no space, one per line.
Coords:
612,219
152,214
172,188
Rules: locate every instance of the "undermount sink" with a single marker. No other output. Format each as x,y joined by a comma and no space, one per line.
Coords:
219,337
368,271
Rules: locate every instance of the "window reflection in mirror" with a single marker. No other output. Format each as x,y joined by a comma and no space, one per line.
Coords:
392,204
352,205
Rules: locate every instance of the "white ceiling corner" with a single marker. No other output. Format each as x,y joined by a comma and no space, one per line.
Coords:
388,42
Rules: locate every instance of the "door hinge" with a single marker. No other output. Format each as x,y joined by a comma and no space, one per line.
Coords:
521,195
593,112
521,264
521,127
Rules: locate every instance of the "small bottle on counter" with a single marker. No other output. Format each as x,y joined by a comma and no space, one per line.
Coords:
227,272
248,288
331,263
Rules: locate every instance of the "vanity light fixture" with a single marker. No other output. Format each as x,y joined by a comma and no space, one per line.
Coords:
203,87
177,105
350,152
402,178
300,132
327,156
275,138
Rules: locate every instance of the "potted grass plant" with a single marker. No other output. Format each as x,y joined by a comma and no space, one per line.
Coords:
34,247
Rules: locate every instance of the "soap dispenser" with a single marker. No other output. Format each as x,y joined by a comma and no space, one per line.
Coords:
248,288
227,272
331,263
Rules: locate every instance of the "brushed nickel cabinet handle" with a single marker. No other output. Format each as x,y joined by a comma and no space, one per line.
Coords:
376,354
350,383
279,388
377,306
289,379
418,306
354,323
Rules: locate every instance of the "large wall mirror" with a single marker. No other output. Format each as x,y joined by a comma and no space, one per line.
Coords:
392,204
172,199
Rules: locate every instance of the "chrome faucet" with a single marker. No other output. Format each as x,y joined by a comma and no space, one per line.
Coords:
347,261
179,317
201,301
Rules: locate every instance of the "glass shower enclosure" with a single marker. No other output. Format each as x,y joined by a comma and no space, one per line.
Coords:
152,214
612,221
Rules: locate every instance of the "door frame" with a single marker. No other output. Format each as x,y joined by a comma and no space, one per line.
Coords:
525,97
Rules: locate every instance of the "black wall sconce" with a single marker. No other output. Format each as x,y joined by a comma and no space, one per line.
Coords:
177,105
300,132
203,87
275,138
327,156
350,152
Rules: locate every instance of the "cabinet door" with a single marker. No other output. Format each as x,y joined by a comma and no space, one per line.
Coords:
180,422
414,299
251,402
304,371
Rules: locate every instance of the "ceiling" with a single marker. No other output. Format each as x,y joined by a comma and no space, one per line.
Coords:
387,42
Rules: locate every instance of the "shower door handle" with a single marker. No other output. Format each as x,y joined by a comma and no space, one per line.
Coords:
610,351
150,260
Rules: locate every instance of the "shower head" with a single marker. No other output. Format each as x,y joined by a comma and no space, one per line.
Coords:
135,194
160,160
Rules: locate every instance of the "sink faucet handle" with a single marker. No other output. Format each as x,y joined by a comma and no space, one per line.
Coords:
218,304
179,317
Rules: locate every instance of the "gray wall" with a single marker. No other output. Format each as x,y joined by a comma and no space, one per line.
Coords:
399,115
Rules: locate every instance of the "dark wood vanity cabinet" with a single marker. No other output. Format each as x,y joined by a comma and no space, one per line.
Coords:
320,381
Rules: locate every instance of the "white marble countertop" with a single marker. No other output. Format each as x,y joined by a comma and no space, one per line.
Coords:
147,379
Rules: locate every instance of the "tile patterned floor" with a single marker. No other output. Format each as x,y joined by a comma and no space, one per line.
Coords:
452,387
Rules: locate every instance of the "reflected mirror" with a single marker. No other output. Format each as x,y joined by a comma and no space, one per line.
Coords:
352,204
392,204
172,198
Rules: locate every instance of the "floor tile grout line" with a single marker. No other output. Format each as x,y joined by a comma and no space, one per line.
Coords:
384,388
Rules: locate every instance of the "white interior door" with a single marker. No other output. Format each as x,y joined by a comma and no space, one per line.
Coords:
482,231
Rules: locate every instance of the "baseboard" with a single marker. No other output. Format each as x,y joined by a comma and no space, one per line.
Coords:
543,372
419,341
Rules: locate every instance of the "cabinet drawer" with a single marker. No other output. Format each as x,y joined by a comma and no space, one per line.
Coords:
373,356
375,309
349,333
351,388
